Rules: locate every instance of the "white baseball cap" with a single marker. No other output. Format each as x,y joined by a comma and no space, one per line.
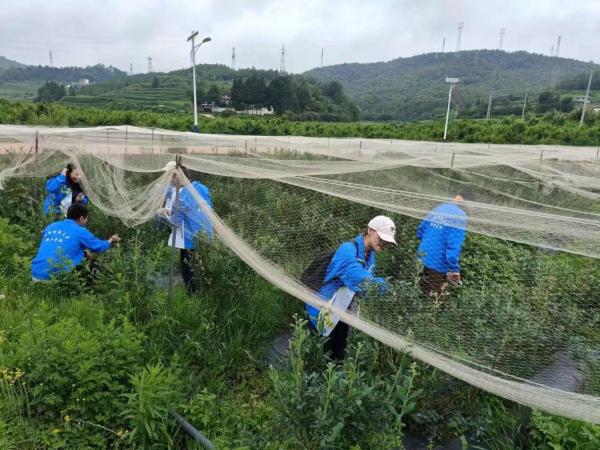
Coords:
385,228
171,165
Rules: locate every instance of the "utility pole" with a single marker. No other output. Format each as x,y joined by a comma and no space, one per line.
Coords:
524,106
460,28
149,64
557,53
282,62
452,82
195,47
322,50
233,58
502,33
130,68
552,50
489,108
51,61
444,45
586,99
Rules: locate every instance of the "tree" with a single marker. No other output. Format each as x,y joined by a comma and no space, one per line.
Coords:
155,83
50,92
566,104
334,91
213,94
548,101
281,95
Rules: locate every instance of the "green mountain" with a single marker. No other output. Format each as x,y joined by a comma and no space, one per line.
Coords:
6,63
414,88
293,95
94,74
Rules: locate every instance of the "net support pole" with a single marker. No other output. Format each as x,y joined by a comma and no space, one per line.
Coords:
174,215
452,161
37,148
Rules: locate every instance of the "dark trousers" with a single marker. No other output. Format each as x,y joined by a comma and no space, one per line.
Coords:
335,344
187,270
433,283
89,269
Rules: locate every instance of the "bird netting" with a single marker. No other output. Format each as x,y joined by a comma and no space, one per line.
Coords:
523,323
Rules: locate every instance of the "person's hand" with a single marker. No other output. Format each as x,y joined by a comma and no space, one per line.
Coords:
114,238
453,277
80,197
382,285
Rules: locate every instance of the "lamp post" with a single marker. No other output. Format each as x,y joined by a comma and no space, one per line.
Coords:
452,81
193,57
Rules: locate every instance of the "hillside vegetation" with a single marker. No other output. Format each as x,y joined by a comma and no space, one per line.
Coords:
294,95
6,63
414,88
550,128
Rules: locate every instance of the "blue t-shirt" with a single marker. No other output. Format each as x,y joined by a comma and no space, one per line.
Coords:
349,267
62,247
442,234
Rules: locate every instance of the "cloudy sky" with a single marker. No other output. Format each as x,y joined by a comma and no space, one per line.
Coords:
120,32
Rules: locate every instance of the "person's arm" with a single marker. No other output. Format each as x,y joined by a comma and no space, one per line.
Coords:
209,198
455,237
351,273
422,228
91,242
54,184
180,208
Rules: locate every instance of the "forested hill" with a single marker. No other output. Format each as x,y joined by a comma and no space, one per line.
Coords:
414,88
6,63
95,73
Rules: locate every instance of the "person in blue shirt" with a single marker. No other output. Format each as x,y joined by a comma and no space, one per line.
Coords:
190,221
64,244
63,190
442,234
350,271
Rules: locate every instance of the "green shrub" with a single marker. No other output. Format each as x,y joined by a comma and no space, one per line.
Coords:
156,392
360,403
74,369
558,433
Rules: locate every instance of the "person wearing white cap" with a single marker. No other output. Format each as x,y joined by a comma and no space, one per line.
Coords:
349,270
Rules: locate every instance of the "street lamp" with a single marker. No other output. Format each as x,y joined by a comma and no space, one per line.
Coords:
452,82
193,56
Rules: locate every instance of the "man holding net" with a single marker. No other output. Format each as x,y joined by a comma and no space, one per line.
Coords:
187,220
64,244
347,272
442,234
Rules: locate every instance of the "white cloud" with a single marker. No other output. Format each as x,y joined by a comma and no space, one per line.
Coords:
117,32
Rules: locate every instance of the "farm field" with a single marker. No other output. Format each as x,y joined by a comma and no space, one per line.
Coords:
19,91
210,356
